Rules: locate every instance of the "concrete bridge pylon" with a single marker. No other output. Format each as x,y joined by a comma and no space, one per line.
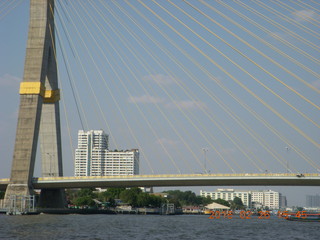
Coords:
38,111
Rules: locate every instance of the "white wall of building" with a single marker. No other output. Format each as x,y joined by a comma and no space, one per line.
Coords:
269,198
229,194
92,157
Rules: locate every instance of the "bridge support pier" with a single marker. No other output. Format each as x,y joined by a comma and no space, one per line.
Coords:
52,198
38,111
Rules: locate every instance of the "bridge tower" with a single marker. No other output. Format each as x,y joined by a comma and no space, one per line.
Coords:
38,111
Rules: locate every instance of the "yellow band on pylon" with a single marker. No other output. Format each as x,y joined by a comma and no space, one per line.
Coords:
37,88
29,88
51,96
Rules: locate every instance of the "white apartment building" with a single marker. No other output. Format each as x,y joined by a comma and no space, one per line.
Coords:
272,199
266,198
229,194
257,197
121,163
92,157
92,146
269,198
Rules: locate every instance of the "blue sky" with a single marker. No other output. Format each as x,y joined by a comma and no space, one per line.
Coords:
170,78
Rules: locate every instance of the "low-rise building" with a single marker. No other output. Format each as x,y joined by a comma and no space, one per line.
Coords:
266,198
229,194
251,199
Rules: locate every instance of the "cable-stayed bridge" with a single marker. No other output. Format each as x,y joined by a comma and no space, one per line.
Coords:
196,86
169,180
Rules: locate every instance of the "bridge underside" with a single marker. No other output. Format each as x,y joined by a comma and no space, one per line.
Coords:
176,180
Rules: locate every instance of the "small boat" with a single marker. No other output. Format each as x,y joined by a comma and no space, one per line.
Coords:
307,217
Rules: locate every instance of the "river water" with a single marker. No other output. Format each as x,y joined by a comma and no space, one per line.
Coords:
152,227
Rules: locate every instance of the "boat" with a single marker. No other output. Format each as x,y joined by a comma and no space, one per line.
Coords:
307,217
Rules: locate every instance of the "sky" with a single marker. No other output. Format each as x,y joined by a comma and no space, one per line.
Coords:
196,86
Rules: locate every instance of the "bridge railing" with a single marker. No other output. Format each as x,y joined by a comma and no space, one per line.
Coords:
185,175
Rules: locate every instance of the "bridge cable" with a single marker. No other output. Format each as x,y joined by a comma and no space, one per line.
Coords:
60,82
307,5
131,50
9,8
101,76
73,85
288,19
170,73
110,133
78,58
195,125
294,12
208,75
267,44
293,60
71,80
252,61
189,93
119,78
279,26
315,2
270,33
232,77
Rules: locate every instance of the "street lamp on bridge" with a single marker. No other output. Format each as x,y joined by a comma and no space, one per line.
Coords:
205,150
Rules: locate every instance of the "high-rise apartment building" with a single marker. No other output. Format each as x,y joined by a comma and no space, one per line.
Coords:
92,157
92,147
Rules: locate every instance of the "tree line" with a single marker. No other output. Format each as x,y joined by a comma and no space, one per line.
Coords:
136,198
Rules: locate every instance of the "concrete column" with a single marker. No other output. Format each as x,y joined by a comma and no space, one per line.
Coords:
39,73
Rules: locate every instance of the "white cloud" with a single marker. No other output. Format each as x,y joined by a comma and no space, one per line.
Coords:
145,99
9,80
186,105
304,15
160,79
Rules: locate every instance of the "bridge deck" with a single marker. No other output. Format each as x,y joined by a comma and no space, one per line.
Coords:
245,179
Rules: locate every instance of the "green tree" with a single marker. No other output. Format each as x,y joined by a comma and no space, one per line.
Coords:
184,198
115,192
86,192
143,200
84,201
106,197
222,202
206,200
130,196
84,197
136,198
156,201
111,193
236,203
187,198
